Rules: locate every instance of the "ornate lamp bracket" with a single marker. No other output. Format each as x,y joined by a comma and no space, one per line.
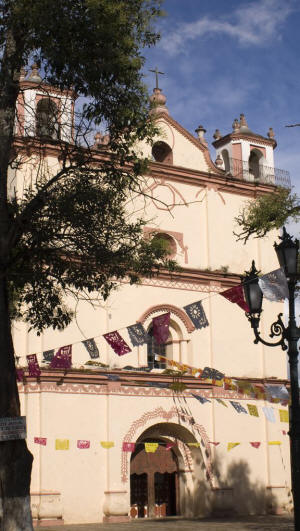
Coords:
277,329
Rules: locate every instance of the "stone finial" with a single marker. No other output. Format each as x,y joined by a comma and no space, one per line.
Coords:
217,135
158,102
22,73
98,140
219,161
235,125
243,121
201,132
106,140
34,74
101,140
271,133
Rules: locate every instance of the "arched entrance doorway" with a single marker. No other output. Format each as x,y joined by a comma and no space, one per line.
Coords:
171,481
154,481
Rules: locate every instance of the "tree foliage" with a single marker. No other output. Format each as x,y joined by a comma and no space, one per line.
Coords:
65,227
267,212
70,231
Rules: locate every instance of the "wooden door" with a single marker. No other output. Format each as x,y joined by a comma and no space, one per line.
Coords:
153,481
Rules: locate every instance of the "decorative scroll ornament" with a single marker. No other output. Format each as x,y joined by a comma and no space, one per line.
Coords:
33,365
197,315
63,358
161,327
117,343
91,347
138,335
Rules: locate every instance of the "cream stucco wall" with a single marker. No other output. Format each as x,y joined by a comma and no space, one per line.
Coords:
200,216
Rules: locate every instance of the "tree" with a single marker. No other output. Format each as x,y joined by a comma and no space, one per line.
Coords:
267,212
69,230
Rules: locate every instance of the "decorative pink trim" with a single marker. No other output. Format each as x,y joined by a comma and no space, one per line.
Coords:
178,236
115,519
259,148
165,415
171,130
240,136
156,202
237,151
157,170
192,139
172,309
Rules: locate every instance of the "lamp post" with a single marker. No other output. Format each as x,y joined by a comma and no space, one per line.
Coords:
288,336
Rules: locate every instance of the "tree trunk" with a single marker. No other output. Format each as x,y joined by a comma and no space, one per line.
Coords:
15,458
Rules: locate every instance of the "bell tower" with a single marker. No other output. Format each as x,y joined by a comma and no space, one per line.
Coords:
246,155
43,111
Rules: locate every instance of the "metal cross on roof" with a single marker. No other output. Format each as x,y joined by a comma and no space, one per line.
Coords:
156,72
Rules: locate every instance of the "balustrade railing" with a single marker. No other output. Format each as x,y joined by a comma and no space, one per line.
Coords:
241,169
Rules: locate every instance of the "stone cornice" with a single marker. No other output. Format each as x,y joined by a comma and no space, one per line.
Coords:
98,377
241,136
213,180
47,89
209,278
219,182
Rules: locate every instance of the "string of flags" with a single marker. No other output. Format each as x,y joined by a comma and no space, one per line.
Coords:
252,409
149,447
273,285
275,393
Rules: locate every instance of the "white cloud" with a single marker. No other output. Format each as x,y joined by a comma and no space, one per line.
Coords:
255,23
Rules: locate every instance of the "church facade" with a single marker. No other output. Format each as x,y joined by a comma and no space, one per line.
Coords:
123,437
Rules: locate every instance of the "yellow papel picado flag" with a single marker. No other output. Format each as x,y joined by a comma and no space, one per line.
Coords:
62,444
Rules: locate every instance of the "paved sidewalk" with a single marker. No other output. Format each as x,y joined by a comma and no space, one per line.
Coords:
255,523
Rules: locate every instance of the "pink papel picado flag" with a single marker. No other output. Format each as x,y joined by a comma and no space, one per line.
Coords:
117,343
161,328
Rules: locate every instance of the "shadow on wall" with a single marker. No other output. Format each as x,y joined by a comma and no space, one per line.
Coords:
237,494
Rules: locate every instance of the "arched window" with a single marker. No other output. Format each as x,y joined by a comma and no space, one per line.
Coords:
168,243
161,152
162,349
254,163
47,124
225,157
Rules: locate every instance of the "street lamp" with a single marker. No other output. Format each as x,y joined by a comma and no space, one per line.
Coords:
287,253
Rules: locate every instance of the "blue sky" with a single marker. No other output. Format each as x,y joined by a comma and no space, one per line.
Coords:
226,57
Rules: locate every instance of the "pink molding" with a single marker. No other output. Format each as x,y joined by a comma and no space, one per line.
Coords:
160,413
259,148
168,308
178,236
